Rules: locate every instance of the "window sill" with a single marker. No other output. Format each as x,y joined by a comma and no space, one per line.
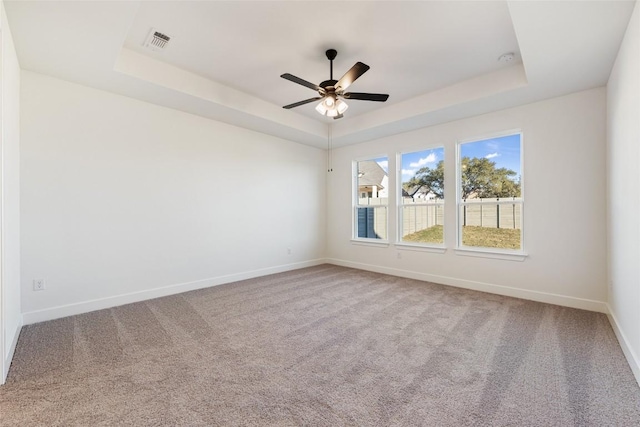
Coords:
371,242
420,248
484,253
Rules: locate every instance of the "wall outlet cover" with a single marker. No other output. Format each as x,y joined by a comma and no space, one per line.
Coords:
39,285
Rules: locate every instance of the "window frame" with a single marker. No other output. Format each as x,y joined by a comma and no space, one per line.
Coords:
367,241
481,251
399,243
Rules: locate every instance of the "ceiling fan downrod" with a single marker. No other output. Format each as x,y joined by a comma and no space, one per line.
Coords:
331,55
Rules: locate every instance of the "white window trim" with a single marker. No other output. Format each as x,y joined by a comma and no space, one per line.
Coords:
491,253
496,253
436,249
370,242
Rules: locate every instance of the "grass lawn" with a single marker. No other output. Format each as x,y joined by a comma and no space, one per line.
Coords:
487,237
428,235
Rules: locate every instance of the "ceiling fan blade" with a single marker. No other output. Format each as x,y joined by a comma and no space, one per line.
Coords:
302,82
380,97
306,101
351,76
339,116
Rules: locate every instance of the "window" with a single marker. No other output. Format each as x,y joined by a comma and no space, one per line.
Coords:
371,198
490,193
421,196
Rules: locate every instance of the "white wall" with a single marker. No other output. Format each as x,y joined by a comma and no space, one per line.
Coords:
623,136
11,317
564,168
121,199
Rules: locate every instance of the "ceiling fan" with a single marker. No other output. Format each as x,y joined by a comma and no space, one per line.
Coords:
331,91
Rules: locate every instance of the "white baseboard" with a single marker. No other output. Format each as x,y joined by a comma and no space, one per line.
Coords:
566,301
114,301
10,353
632,357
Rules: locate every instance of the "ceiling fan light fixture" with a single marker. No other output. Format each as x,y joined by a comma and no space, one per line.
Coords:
332,113
329,102
320,108
331,107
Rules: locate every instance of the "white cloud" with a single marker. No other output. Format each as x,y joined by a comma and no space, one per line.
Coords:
408,171
384,164
491,156
431,158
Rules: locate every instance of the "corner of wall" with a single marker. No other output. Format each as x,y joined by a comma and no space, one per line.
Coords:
623,185
10,295
630,355
13,342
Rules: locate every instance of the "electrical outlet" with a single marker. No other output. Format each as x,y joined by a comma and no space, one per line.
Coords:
399,255
288,251
39,285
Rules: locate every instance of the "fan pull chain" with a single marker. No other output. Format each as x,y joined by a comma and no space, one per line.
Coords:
329,148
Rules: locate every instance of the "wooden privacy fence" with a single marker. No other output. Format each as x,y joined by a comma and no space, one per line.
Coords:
493,213
419,215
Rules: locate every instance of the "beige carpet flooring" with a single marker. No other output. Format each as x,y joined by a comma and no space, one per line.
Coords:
323,346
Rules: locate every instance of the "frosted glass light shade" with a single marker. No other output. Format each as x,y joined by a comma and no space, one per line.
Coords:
331,107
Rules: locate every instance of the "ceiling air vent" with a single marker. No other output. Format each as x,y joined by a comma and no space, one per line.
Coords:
156,40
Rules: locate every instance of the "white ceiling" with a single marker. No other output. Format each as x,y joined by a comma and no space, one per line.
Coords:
403,45
438,60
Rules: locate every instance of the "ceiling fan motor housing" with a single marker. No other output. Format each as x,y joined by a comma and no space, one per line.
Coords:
328,84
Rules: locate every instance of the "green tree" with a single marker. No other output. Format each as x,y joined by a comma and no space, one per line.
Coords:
480,179
430,180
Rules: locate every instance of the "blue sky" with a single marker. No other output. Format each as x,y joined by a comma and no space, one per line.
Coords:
503,151
412,162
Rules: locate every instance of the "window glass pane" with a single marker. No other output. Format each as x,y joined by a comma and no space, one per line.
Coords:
490,168
372,222
490,175
422,210
423,223
373,179
492,225
372,198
